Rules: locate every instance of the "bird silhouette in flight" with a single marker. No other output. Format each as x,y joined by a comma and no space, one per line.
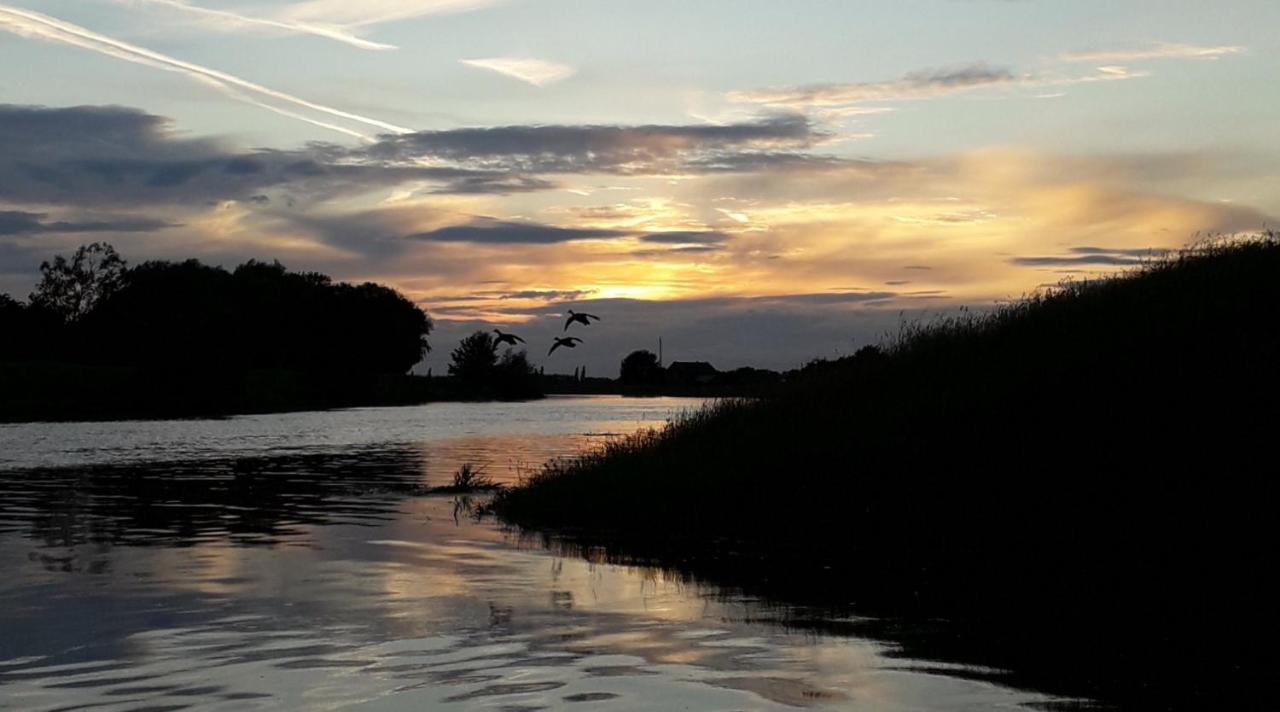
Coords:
584,319
569,342
505,338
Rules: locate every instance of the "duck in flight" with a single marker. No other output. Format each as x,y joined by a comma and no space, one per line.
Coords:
581,318
569,342
505,338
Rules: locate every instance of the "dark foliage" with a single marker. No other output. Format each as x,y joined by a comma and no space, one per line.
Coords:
640,368
72,288
27,332
184,337
1079,482
473,361
481,373
516,378
189,315
259,316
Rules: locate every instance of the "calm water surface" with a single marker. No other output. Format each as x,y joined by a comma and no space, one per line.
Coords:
290,562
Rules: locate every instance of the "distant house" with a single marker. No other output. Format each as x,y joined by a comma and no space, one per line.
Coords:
690,373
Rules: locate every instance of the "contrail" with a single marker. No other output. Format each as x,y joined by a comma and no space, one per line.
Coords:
363,13
327,31
291,114
26,23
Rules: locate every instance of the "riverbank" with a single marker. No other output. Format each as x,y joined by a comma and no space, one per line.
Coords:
55,392
1077,479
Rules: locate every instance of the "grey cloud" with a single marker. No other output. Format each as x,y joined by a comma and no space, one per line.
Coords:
550,295
17,222
491,231
1086,255
510,232
601,149
1131,252
496,185
543,295
109,155
794,302
707,237
1116,260
754,161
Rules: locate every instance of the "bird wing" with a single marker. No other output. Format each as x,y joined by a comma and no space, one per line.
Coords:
592,316
554,346
517,338
567,322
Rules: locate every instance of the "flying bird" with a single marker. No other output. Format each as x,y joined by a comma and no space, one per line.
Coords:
584,319
505,338
569,342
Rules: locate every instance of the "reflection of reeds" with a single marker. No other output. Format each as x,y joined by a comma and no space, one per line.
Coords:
470,478
1083,464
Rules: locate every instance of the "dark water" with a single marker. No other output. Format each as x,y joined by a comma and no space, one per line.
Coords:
291,562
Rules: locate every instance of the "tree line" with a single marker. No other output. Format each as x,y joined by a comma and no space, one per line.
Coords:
94,308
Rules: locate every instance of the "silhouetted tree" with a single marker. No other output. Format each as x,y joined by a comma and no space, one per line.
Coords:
197,338
640,368
168,314
474,360
11,310
13,326
515,377
29,331
260,316
72,288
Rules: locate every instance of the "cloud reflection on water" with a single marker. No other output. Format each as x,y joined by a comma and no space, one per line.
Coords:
322,580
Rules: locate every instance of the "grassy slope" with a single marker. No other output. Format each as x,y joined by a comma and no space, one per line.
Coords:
1089,467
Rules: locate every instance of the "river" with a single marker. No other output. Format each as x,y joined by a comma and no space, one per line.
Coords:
291,561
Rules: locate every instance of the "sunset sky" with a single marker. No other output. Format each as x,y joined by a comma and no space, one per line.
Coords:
759,183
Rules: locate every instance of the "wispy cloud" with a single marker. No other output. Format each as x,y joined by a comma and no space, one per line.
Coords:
34,25
629,150
488,230
1103,74
537,72
839,101
18,222
911,86
850,99
1162,50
